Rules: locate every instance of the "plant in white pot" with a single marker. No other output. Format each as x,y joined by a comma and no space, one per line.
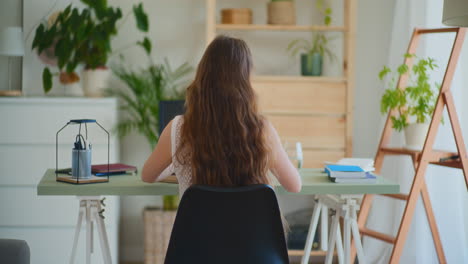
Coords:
96,48
77,37
413,104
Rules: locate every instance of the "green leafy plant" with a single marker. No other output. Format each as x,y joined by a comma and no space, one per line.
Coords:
145,88
416,100
318,44
83,37
319,41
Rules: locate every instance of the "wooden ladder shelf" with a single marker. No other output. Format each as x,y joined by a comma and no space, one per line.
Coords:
421,159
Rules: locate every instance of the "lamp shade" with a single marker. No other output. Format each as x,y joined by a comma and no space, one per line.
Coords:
455,13
11,41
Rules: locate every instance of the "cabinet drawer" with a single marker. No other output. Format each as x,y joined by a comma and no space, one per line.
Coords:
36,121
312,131
26,164
301,96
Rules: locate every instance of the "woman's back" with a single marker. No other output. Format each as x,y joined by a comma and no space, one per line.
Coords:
222,139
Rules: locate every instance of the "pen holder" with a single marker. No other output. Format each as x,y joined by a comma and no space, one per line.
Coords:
81,158
81,163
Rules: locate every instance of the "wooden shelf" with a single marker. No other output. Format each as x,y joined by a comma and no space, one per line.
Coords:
434,158
299,253
294,78
452,164
303,113
279,27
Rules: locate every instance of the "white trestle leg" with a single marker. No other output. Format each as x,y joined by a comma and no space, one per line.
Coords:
90,210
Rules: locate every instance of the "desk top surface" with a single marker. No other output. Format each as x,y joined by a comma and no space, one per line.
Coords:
314,181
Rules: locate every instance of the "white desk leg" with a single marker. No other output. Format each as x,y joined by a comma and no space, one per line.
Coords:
102,234
88,233
339,244
347,238
311,233
332,238
77,233
324,228
357,237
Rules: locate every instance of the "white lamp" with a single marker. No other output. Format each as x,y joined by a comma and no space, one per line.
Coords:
11,45
455,13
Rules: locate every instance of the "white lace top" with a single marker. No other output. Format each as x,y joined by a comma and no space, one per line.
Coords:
183,172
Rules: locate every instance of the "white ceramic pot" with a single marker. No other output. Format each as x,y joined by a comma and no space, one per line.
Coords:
95,81
72,89
415,135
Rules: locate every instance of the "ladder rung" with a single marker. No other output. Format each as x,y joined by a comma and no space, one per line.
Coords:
377,235
400,151
452,164
399,196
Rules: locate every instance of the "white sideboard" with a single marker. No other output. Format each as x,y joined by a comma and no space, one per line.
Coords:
28,128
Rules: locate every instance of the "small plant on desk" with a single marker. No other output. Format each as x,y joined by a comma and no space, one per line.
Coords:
413,104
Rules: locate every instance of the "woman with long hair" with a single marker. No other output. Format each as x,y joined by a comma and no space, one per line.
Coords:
221,140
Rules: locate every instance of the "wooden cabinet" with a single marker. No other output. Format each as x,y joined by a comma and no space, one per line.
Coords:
27,149
317,111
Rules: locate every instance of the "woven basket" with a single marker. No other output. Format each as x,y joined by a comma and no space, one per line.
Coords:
281,13
158,227
236,16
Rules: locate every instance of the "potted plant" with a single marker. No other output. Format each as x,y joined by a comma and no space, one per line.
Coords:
314,51
414,104
145,88
77,37
281,12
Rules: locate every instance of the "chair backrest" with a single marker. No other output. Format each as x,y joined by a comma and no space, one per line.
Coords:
228,225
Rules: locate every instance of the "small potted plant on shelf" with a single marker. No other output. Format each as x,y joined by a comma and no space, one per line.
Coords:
313,53
314,50
281,12
414,104
75,37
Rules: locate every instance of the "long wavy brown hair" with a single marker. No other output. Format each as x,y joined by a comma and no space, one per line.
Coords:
222,136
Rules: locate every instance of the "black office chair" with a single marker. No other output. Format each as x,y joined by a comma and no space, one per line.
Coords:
238,225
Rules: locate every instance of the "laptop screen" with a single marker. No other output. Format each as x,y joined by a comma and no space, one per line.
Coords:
168,110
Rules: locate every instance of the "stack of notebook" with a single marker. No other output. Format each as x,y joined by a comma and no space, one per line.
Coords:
351,171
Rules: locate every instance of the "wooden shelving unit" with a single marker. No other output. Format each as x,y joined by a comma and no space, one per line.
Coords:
279,27
316,111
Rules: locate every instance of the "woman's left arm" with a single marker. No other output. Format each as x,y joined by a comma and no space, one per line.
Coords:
160,159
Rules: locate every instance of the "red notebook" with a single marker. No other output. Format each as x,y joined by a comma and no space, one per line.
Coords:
113,167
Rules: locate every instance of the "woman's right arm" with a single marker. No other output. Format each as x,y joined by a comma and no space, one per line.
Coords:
280,165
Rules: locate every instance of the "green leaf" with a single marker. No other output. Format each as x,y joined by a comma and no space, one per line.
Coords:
402,69
409,55
46,80
327,20
141,18
384,72
328,11
146,44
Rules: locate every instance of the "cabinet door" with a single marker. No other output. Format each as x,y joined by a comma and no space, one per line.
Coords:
27,149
